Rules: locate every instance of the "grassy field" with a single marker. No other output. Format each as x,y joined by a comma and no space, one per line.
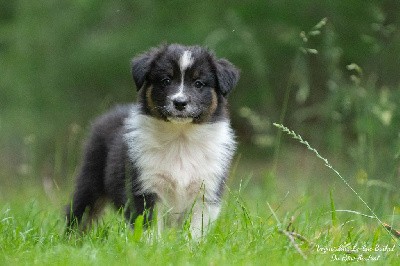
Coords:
301,214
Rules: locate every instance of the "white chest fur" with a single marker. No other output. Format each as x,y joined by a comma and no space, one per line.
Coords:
175,161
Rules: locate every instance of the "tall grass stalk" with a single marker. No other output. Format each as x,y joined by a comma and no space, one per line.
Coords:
305,36
327,164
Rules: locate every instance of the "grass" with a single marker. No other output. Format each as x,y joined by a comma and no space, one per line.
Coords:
262,222
327,164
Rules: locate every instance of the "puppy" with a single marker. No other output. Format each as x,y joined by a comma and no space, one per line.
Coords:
170,151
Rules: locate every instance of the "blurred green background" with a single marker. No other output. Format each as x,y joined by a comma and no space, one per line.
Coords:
336,82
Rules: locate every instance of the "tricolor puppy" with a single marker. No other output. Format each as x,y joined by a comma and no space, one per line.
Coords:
170,151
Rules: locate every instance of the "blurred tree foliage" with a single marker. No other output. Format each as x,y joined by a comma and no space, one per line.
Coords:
63,62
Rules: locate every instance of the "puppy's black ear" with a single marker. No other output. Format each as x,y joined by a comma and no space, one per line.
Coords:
141,66
227,75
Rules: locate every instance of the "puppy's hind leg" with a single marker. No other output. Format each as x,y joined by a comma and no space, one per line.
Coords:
89,192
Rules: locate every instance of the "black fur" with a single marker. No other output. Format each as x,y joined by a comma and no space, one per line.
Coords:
227,76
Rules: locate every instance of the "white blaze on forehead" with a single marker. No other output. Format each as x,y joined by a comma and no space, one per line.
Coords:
185,61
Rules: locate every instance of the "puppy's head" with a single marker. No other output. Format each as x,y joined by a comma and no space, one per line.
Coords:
183,84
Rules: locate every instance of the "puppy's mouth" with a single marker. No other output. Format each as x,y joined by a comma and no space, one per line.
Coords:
180,117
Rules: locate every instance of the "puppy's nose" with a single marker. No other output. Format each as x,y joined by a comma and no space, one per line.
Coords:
180,102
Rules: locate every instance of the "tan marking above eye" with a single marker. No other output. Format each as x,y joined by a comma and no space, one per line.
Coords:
196,75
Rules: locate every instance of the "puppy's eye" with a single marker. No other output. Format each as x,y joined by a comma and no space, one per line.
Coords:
166,82
198,84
